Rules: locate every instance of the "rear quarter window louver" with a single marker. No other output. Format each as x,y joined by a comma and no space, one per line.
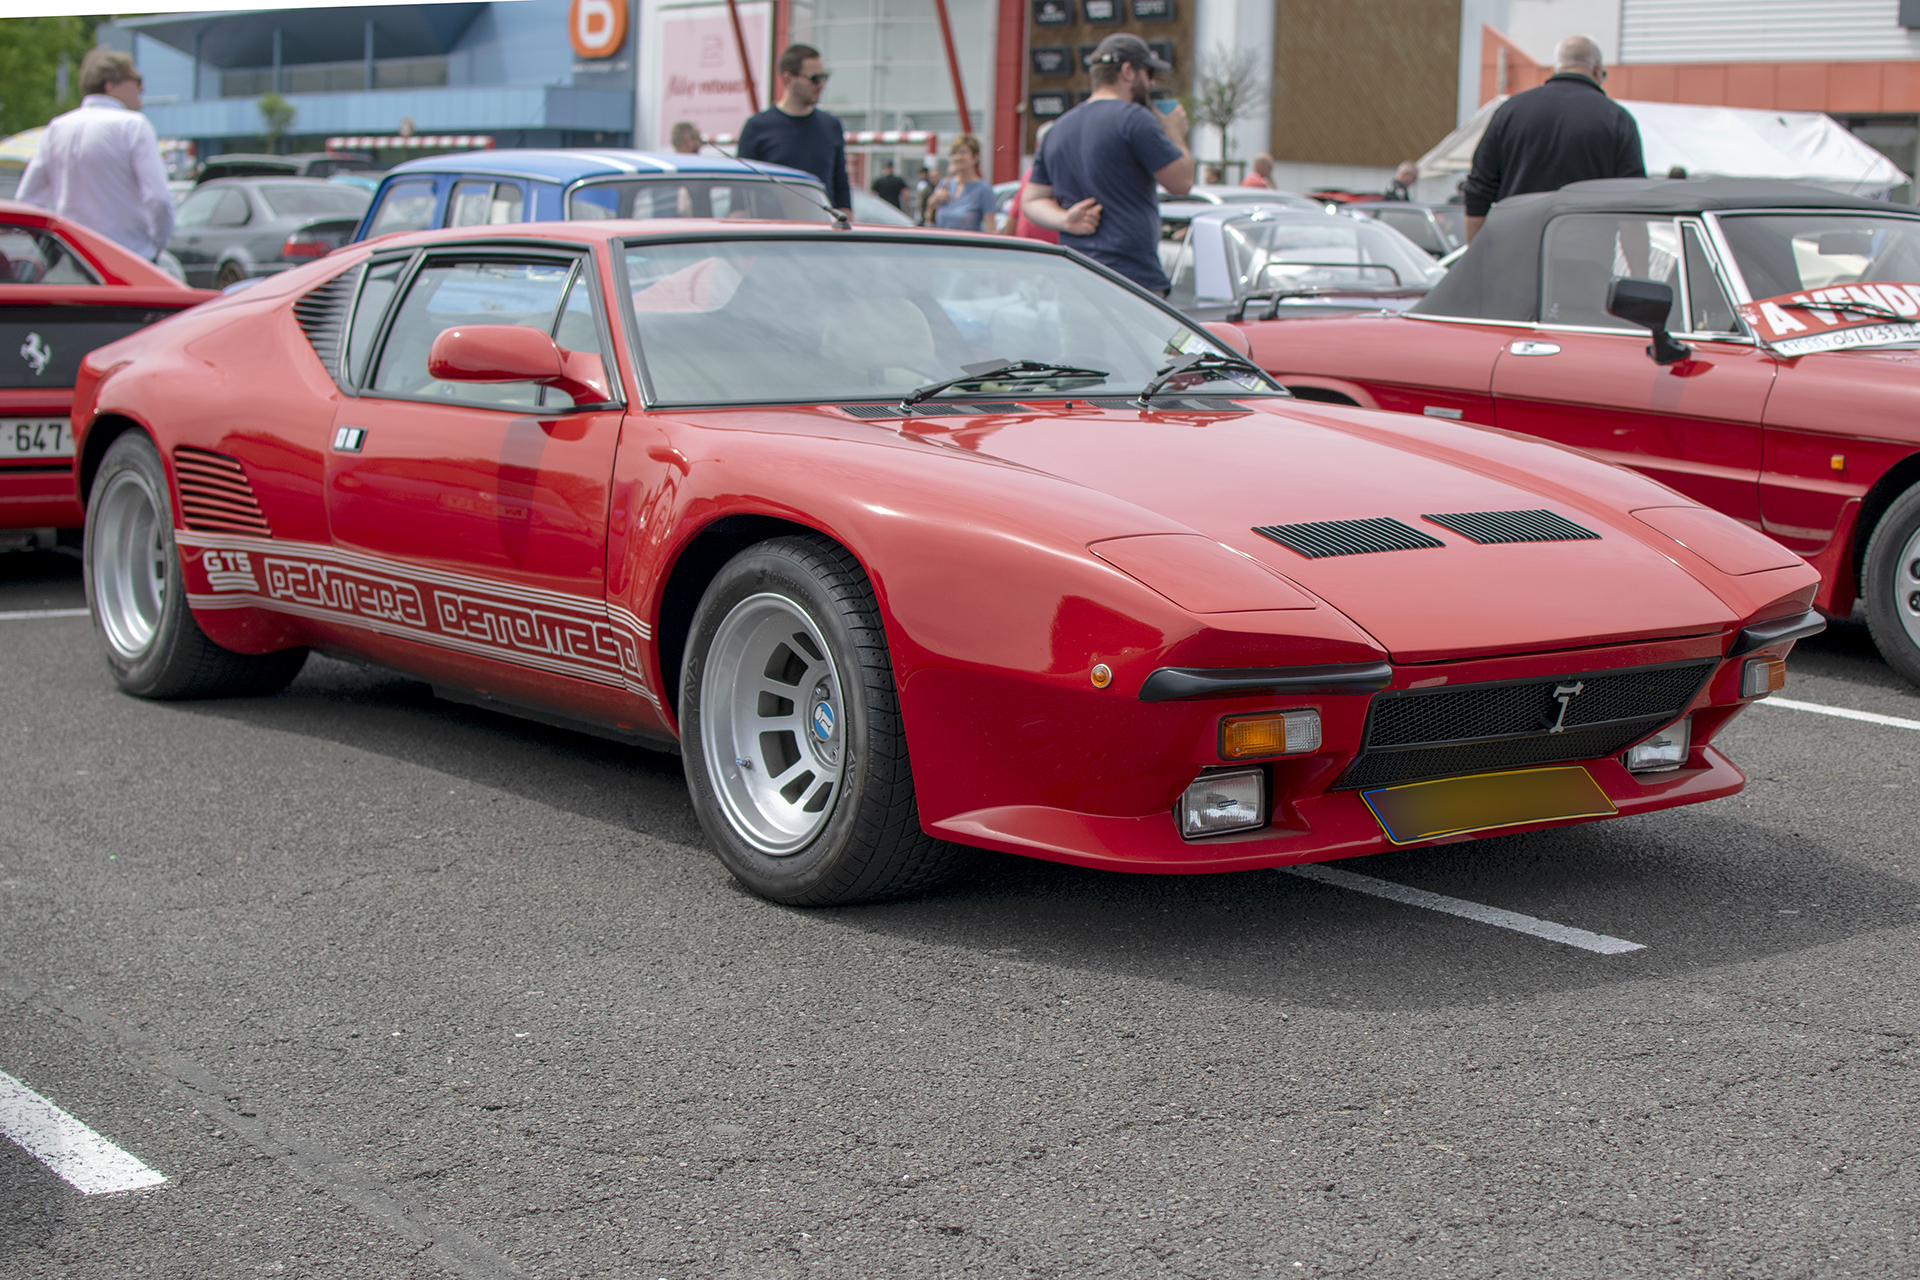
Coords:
215,496
322,314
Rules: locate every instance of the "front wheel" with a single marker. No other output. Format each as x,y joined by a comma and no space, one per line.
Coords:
791,734
132,571
1890,582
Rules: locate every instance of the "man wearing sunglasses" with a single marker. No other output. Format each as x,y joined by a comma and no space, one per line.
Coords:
99,164
792,132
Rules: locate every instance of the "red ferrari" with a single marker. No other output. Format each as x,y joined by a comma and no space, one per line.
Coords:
1778,388
63,291
908,541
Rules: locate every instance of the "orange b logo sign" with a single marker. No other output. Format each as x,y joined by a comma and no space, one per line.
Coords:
598,27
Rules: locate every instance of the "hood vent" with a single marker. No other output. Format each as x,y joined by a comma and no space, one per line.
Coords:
1176,404
927,410
1489,527
1320,538
322,313
215,496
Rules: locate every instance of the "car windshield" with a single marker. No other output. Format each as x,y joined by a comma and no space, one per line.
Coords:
1268,254
818,321
1783,253
674,195
306,200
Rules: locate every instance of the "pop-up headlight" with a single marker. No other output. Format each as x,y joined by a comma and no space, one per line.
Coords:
1665,750
1218,803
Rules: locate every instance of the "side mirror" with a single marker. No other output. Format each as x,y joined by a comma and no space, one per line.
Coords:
494,353
1648,303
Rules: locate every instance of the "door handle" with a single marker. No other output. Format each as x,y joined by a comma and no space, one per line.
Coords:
349,439
1535,348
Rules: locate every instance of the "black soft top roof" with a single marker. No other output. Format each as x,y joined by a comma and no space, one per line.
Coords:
1499,277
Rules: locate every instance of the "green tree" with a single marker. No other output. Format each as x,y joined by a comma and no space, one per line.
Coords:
31,50
1231,88
276,113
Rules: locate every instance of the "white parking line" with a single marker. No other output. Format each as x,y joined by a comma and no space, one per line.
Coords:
92,1164
1547,929
44,613
1845,713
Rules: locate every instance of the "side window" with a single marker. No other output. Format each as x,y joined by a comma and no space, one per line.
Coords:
28,256
198,207
447,293
375,294
1587,252
575,331
593,204
481,204
1710,311
232,211
407,206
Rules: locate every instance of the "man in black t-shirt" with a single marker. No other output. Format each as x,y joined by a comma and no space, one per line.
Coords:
889,184
792,132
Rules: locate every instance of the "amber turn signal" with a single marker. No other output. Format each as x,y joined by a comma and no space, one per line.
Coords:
1763,676
1269,733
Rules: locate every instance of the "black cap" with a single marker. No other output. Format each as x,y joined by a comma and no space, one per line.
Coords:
1121,47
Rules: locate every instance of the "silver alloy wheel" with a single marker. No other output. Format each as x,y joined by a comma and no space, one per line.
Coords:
772,724
1906,588
131,559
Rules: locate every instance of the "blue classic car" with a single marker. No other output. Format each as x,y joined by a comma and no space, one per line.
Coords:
478,188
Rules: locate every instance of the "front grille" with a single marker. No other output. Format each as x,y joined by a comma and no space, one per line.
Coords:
1489,527
1437,733
322,314
1320,538
215,496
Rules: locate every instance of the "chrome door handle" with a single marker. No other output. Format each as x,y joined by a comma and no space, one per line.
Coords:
1535,348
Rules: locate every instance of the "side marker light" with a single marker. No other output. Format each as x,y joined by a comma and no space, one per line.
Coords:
1101,675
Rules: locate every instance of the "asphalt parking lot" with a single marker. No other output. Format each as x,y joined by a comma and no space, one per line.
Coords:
380,986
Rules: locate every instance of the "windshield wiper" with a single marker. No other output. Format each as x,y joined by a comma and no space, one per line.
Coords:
1213,363
1022,371
1858,308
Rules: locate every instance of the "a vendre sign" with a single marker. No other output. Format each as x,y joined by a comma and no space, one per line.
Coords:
1834,319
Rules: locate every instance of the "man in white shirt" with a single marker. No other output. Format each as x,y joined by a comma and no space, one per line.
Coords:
99,164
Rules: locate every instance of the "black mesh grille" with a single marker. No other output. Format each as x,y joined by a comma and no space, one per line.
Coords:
1437,733
1320,538
872,410
322,313
1488,527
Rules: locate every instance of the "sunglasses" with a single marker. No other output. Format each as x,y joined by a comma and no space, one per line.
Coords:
820,79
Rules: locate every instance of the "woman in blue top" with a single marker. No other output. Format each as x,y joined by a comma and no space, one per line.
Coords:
964,200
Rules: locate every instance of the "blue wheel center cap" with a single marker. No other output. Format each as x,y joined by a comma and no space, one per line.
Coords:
823,720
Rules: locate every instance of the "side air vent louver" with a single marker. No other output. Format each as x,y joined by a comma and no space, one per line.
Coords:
215,496
1321,538
1488,527
322,313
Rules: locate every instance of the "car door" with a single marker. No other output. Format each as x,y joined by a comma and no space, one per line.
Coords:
469,520
1583,378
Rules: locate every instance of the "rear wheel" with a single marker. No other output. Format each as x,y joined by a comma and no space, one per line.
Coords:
791,732
230,274
1890,583
132,571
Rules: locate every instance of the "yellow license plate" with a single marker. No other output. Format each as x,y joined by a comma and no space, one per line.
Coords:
1485,801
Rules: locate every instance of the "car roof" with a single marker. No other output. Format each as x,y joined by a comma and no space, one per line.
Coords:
1499,276
594,230
567,166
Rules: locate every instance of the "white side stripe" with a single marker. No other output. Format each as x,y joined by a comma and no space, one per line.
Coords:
92,1164
1547,929
43,613
1845,713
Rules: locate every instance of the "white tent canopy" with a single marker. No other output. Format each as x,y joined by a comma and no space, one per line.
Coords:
1710,142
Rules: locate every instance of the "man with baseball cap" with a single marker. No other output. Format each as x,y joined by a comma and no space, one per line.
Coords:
1094,177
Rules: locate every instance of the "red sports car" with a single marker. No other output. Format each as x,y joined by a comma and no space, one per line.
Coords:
907,541
63,291
1779,387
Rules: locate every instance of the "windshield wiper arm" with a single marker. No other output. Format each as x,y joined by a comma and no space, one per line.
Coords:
1858,308
1209,362
995,368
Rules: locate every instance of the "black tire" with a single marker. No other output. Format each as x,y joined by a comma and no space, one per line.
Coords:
132,570
1890,584
230,275
864,842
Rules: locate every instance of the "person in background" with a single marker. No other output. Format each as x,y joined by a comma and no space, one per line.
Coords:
100,165
1401,188
1018,223
922,193
1566,130
1677,171
685,138
964,200
889,186
1094,179
1261,175
795,133
1215,175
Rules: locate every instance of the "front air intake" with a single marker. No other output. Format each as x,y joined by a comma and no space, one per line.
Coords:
1320,538
215,496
